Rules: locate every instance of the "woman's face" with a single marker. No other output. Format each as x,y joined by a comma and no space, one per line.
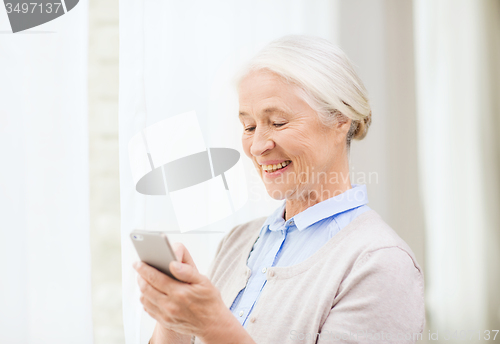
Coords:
280,127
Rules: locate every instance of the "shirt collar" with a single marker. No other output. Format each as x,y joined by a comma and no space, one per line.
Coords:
350,199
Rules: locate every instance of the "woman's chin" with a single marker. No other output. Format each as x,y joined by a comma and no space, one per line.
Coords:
276,194
280,194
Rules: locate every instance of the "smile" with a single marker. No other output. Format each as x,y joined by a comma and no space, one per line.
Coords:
274,168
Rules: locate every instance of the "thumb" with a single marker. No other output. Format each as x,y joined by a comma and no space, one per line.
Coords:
182,254
185,272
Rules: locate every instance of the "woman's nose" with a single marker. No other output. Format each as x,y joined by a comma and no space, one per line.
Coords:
261,143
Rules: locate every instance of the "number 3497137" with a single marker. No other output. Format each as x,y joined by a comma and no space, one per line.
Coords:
32,7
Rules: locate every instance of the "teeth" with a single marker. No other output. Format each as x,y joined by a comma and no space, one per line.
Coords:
273,168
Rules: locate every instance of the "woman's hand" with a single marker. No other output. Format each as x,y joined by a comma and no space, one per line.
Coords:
191,308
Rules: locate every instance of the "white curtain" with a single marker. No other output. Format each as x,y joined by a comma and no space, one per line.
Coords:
44,187
178,57
457,53
377,35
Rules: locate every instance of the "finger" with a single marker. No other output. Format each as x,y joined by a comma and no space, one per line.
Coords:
156,304
157,279
151,293
185,272
156,313
178,248
183,254
151,308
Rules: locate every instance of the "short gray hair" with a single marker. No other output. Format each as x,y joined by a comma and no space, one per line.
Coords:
325,75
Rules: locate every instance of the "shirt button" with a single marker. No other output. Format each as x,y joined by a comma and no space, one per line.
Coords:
252,319
241,313
264,270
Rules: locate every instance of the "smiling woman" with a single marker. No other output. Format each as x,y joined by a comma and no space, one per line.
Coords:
300,138
323,266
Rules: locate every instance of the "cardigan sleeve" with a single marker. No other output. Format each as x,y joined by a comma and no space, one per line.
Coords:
380,300
213,265
215,261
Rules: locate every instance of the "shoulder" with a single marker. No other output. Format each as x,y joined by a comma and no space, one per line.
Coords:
369,235
244,231
233,244
374,255
239,235
382,272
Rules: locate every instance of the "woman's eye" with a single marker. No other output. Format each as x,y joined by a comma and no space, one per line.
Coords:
277,125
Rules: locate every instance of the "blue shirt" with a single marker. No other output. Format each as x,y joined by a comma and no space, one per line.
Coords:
285,243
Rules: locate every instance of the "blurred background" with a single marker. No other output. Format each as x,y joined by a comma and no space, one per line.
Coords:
73,91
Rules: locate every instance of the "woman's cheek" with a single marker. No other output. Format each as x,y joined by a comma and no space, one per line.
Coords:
245,142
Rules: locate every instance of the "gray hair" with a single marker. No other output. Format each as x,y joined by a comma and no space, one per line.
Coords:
325,75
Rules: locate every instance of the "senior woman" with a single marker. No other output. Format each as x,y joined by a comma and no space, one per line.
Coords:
324,266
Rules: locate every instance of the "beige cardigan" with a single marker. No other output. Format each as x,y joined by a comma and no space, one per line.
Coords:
363,286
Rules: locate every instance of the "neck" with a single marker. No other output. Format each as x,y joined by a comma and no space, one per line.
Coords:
316,194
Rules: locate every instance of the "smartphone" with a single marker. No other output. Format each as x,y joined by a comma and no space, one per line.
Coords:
154,249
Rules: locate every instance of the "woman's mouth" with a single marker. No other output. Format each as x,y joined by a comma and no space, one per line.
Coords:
270,169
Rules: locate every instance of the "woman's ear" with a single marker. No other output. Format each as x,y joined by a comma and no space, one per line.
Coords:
342,126
343,123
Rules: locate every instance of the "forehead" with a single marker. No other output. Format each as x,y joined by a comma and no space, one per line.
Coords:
266,111
265,92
